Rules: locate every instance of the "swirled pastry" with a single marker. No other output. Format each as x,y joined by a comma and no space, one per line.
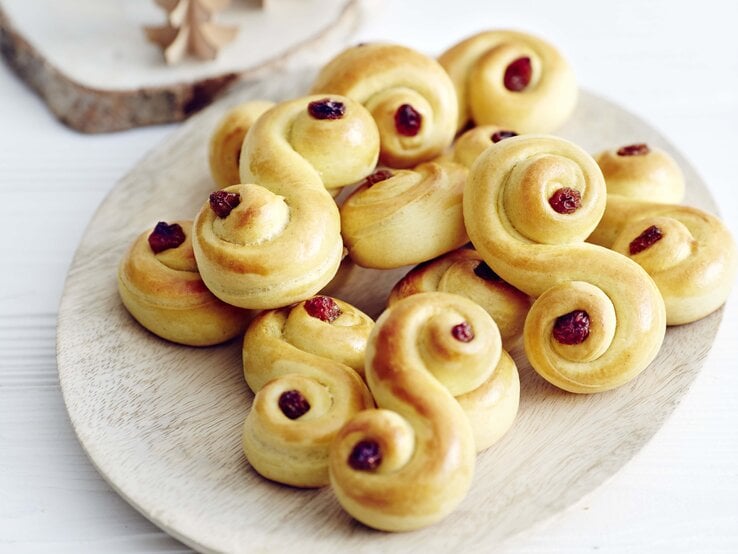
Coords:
473,142
642,172
160,286
599,318
275,239
410,463
511,79
303,364
689,253
410,96
463,272
403,217
224,149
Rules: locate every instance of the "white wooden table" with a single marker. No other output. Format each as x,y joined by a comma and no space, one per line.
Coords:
673,63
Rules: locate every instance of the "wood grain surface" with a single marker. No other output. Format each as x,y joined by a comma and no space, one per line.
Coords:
162,422
92,66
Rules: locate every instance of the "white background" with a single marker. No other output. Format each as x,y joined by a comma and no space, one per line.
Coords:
675,64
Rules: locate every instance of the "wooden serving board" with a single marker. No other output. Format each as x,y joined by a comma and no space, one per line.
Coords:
92,64
162,422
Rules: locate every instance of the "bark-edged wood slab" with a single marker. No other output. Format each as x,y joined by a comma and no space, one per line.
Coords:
95,86
162,422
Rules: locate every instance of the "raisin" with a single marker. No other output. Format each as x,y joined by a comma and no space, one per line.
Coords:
645,240
323,308
327,109
497,136
572,328
518,74
565,200
462,332
165,236
223,202
408,120
293,404
366,456
377,176
640,149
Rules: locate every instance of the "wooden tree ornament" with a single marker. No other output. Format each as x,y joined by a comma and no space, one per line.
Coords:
190,30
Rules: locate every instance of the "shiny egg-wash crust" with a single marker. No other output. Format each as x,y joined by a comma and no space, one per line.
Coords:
165,293
541,252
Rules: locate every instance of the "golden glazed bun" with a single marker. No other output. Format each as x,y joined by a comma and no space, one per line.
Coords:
689,253
511,79
403,217
224,150
163,290
463,272
303,364
409,463
598,319
642,172
275,239
409,94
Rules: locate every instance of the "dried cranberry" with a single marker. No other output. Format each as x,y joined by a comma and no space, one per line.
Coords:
572,328
327,109
324,308
565,200
366,456
497,136
645,240
293,404
165,236
377,176
462,332
640,149
408,120
518,74
485,272
223,202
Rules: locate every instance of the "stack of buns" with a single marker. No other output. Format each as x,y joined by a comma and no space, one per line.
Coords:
518,239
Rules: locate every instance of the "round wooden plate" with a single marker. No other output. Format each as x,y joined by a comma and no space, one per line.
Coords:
162,422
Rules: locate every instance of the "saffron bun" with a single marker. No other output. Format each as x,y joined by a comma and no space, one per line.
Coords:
410,216
305,373
281,242
598,319
463,272
688,252
409,463
409,94
164,292
642,172
224,148
511,79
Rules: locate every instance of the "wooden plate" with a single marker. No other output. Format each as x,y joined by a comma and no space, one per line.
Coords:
162,422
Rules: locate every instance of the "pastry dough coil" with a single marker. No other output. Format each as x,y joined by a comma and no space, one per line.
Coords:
412,216
420,437
652,176
478,67
287,351
386,77
164,293
463,272
693,261
282,242
224,149
513,225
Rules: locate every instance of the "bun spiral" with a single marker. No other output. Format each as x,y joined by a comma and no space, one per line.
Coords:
303,365
410,96
598,319
463,272
404,217
160,286
511,79
276,239
410,463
